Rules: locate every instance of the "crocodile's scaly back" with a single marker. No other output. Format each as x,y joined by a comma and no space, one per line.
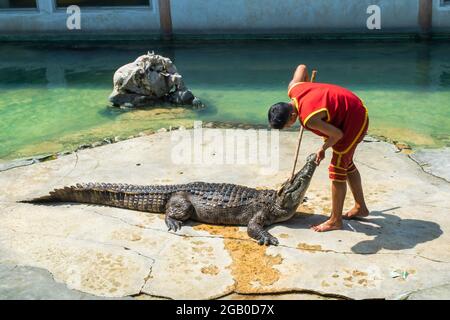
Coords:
151,198
221,195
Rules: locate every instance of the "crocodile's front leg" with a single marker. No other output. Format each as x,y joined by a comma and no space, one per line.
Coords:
255,230
178,209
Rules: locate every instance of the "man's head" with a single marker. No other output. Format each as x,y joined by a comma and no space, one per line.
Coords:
282,115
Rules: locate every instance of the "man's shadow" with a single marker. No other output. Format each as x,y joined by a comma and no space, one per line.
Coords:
390,231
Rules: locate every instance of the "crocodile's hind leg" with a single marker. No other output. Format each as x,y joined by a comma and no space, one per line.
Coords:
178,209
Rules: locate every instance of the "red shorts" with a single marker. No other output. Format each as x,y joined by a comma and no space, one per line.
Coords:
343,151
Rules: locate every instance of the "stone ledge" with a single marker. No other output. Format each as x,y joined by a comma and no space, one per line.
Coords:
110,252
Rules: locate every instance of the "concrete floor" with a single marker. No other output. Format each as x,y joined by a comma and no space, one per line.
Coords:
401,251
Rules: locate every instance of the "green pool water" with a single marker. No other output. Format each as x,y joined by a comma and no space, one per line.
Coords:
54,97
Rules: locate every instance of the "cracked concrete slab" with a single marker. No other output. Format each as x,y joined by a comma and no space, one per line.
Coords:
282,296
434,161
28,283
441,292
197,263
110,252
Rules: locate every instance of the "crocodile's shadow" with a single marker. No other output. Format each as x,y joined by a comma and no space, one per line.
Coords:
390,232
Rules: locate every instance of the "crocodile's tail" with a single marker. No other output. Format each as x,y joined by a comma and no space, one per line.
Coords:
115,195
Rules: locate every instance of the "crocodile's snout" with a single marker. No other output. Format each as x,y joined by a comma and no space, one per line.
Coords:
305,173
311,158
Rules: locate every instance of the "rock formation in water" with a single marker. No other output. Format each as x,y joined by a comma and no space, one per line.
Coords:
148,81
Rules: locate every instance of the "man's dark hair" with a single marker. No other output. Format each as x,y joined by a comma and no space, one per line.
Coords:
279,115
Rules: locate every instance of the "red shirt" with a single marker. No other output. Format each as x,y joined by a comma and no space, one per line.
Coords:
341,105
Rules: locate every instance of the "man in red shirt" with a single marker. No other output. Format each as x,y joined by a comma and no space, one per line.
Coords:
341,118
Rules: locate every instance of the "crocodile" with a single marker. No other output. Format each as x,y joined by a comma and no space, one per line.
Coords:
212,203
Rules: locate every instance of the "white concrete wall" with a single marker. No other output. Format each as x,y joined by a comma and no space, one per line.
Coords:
441,16
231,16
47,18
293,16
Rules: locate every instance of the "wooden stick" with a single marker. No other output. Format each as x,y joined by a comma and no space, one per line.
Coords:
300,136
313,75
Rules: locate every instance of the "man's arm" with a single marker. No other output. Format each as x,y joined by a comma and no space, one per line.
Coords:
334,134
300,75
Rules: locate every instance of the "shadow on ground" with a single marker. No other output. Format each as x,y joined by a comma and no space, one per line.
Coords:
389,231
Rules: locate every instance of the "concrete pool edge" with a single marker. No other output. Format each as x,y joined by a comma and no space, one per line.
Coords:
433,168
56,37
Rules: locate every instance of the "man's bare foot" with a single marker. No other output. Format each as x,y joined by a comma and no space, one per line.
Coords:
356,212
328,225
